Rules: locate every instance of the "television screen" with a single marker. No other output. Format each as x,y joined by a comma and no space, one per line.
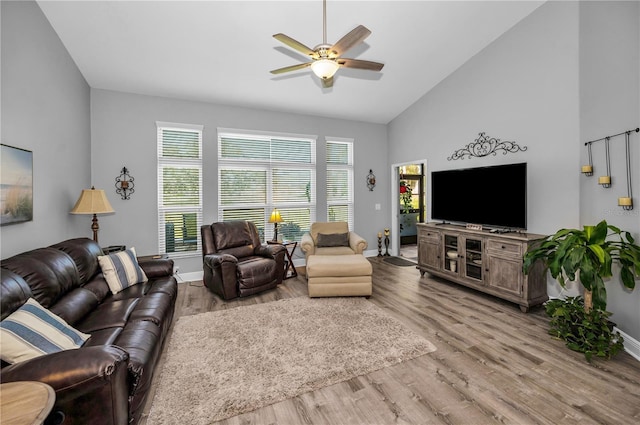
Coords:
493,196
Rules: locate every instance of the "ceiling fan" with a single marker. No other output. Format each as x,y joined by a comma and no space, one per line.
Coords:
326,58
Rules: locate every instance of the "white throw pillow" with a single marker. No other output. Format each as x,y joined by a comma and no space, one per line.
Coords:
33,331
121,270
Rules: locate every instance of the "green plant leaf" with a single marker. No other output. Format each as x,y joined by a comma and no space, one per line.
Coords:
598,234
627,278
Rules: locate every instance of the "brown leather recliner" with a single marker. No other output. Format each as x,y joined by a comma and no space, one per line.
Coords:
235,263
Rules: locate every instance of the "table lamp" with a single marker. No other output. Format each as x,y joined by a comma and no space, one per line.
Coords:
275,219
93,201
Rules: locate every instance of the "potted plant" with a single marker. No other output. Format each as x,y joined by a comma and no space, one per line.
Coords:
588,332
589,255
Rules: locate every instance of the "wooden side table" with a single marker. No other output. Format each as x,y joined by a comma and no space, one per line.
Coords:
290,246
25,402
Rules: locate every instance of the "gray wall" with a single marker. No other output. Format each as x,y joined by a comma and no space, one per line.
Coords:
610,104
124,134
565,74
524,88
45,109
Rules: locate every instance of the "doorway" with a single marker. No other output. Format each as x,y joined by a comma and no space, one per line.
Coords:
410,198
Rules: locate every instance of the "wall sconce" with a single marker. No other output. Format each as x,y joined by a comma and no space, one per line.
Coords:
124,184
587,170
605,181
626,202
275,219
371,180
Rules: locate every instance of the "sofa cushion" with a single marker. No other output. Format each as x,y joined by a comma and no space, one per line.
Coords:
121,270
75,305
110,314
33,331
332,239
49,272
85,253
14,292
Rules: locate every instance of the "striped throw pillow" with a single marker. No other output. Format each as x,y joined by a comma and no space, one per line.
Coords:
121,270
32,331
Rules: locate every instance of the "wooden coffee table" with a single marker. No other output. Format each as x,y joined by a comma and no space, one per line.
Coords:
25,402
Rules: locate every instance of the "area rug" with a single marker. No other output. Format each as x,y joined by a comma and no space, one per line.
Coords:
220,364
399,261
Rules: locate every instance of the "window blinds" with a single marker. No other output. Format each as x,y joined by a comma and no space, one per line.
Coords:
179,188
340,181
260,173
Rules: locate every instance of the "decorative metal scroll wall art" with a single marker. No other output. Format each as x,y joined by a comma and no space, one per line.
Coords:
124,184
626,202
484,146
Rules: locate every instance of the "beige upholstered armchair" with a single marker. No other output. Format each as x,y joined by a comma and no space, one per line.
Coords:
331,238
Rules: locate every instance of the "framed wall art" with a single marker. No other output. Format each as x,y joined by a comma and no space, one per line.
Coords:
16,185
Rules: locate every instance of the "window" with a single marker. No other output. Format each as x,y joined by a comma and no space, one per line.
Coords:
179,188
257,173
340,181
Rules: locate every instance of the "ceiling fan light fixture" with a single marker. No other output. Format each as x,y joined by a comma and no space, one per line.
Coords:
324,68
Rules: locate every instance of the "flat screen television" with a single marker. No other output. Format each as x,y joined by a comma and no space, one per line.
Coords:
494,196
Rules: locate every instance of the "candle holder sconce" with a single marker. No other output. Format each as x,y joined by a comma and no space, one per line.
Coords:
371,180
124,184
386,242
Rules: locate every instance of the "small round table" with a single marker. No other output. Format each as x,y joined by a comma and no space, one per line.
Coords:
25,402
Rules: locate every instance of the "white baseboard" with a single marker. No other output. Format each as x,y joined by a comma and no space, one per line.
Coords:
631,345
189,277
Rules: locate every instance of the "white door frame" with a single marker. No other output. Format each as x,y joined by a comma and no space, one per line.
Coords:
395,202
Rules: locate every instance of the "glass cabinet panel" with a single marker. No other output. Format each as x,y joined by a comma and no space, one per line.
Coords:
473,256
451,254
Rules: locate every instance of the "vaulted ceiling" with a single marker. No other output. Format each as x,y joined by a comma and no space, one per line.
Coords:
222,51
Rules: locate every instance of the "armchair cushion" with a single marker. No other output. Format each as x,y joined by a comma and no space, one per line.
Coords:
32,331
333,239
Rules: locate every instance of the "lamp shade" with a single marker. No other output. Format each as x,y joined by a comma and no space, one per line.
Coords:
275,216
92,201
324,68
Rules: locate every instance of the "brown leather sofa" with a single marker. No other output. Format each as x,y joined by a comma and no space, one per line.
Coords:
235,263
107,380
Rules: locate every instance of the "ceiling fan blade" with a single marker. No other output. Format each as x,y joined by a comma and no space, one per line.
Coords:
360,64
356,36
327,83
294,44
291,68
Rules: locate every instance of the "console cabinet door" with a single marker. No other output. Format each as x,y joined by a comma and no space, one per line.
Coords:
505,266
429,251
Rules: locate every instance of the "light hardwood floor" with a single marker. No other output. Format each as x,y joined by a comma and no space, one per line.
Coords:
493,364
